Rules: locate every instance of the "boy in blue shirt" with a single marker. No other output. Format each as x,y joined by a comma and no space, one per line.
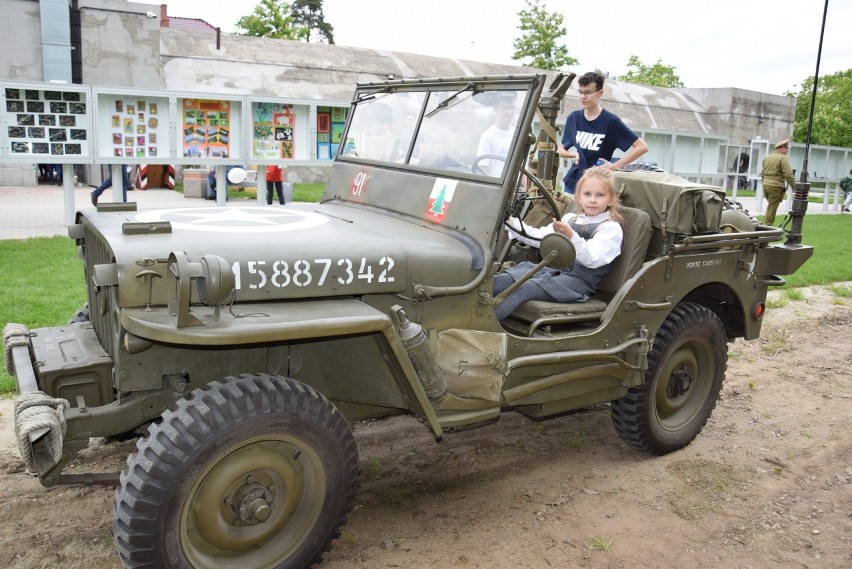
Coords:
595,133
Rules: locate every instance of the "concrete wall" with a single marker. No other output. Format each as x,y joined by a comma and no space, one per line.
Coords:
20,60
20,41
18,175
745,115
120,44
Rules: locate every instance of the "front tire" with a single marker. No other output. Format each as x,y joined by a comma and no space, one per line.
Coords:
82,315
686,368
258,472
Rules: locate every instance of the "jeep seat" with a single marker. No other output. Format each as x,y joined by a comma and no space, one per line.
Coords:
637,235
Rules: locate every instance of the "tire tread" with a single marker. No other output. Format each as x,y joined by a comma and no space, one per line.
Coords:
630,414
152,470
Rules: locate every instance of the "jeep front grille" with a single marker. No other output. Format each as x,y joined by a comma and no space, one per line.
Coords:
103,300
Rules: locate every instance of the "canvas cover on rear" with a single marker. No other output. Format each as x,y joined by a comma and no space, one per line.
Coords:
675,204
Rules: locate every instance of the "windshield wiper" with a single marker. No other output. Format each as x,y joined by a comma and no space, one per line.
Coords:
443,104
367,96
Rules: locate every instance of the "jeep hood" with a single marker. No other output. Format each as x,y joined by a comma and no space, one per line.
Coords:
295,251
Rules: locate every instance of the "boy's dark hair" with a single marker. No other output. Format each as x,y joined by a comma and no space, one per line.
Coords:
591,77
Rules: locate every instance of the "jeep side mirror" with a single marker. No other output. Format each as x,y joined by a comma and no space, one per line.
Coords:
559,250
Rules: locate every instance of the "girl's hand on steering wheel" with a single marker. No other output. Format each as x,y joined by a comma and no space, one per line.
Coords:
561,227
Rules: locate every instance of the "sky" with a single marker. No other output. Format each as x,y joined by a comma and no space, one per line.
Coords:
768,46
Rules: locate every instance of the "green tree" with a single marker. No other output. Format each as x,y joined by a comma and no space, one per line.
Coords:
308,14
272,19
658,75
538,44
832,113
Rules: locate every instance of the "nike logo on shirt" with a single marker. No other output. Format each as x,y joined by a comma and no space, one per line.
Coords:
590,140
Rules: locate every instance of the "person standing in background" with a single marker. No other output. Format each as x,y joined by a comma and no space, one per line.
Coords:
775,172
211,184
595,134
125,185
846,186
495,141
44,173
274,180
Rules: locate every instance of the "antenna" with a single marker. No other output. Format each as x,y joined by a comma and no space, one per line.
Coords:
802,188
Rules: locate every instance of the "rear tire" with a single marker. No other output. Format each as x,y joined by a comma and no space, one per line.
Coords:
641,167
255,472
686,368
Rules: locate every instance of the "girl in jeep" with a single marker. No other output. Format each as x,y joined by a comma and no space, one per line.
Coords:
597,234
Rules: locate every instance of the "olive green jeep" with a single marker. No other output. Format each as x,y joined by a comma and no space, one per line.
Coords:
249,339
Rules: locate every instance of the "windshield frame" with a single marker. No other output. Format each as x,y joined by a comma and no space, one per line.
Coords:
439,118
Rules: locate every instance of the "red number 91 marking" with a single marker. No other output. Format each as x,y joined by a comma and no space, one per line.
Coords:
359,183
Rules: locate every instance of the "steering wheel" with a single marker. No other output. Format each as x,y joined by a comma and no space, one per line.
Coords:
522,203
474,167
548,197
527,199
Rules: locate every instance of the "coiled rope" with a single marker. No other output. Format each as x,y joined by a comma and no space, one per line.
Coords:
14,335
35,411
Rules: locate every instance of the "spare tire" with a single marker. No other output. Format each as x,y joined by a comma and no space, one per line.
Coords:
642,167
741,163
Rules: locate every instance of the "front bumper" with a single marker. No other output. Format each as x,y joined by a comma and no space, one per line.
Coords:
56,369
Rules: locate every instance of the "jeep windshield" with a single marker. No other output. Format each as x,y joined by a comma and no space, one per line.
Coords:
463,129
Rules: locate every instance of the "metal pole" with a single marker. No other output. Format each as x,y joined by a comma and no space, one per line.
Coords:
221,185
117,173
802,188
70,206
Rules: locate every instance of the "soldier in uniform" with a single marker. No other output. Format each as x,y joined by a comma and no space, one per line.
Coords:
776,171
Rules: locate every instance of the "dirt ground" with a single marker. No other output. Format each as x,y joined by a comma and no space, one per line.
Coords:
767,483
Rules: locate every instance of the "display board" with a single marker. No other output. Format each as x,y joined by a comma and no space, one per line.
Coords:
53,124
210,129
134,126
46,124
273,131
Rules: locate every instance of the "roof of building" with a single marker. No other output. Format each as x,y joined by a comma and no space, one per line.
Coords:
176,23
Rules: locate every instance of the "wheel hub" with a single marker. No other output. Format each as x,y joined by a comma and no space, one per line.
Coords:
679,383
251,503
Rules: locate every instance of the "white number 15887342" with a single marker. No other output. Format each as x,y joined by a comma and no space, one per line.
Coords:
303,272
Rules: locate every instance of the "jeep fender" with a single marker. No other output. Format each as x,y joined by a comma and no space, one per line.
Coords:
276,322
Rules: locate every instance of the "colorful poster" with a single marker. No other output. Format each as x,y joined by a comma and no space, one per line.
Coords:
330,124
206,128
134,126
336,132
323,122
273,131
266,149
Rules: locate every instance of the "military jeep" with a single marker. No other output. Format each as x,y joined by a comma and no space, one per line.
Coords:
249,339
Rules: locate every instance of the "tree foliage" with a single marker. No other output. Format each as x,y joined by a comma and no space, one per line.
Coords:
308,14
301,21
658,74
539,43
832,124
271,19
